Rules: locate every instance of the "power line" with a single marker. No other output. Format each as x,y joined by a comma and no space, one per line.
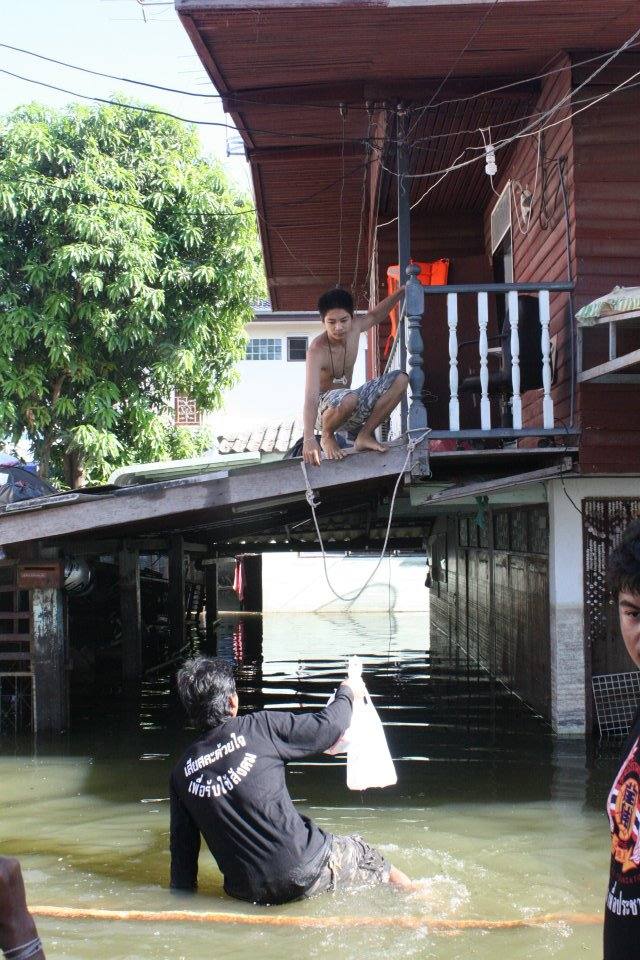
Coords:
473,36
526,132
316,105
315,138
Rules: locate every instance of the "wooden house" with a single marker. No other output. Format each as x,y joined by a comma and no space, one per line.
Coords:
503,138
371,127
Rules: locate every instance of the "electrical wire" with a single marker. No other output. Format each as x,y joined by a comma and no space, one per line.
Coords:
325,105
363,204
442,83
314,138
459,163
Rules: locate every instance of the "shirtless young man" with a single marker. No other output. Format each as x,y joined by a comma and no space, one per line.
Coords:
329,402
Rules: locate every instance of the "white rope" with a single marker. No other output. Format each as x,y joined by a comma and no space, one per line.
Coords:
314,503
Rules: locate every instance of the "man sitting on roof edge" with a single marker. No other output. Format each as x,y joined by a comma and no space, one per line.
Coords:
329,402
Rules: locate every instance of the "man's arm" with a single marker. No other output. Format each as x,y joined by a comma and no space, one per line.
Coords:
17,928
310,446
185,845
380,312
301,735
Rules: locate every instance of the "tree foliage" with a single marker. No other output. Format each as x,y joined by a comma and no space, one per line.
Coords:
127,271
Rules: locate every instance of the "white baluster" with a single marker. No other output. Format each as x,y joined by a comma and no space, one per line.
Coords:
452,320
483,320
545,319
516,401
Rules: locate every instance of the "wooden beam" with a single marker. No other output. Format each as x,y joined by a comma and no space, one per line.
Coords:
211,597
307,151
611,366
49,658
486,487
177,612
130,611
304,280
253,583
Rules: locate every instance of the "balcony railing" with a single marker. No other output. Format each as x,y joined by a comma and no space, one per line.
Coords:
506,381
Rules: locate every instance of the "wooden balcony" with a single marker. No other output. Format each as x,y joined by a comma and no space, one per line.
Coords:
517,360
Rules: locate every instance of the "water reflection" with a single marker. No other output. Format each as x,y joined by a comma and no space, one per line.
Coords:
498,817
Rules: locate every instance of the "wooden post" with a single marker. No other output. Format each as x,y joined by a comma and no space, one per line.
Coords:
415,309
211,596
404,241
49,657
253,583
130,611
452,321
177,612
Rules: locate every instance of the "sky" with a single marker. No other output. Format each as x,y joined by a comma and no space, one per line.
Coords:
111,36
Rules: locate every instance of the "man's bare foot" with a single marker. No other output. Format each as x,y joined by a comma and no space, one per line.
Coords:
366,441
330,446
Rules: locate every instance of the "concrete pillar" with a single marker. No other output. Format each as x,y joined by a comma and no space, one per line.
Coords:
177,612
566,598
49,660
211,596
130,611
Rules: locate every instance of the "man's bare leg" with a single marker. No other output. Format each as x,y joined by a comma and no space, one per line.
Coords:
332,420
387,402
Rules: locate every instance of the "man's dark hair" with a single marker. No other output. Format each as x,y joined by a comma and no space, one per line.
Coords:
336,299
204,687
624,562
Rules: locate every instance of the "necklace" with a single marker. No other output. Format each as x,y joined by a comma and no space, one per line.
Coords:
342,380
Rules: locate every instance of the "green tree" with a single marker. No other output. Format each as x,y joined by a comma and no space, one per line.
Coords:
128,266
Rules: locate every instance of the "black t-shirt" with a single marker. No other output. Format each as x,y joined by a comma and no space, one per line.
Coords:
622,907
230,786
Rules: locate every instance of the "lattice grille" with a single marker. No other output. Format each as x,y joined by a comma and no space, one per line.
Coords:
604,520
616,697
16,691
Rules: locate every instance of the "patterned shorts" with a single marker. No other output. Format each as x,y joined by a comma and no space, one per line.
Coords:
368,395
352,863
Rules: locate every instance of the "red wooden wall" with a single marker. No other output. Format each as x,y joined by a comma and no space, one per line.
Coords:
607,200
540,253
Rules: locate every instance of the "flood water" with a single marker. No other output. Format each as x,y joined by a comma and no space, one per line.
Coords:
497,818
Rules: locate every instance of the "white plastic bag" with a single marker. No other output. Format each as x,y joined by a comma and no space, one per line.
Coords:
369,762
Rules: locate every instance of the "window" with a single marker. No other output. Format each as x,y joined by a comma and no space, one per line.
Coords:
265,348
187,414
297,348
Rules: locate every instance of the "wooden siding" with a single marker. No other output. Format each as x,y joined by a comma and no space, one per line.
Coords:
607,200
284,68
541,253
491,602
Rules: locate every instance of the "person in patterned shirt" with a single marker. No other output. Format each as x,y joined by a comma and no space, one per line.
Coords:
622,907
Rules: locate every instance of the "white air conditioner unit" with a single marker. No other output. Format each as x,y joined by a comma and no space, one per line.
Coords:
501,218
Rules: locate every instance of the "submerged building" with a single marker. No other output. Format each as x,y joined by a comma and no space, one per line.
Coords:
386,135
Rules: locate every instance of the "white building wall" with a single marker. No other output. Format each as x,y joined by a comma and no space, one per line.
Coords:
272,391
294,582
566,592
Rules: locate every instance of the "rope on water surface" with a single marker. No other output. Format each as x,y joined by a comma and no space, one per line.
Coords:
435,925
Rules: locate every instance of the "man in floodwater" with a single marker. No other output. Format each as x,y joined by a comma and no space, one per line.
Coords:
230,787
622,906
329,402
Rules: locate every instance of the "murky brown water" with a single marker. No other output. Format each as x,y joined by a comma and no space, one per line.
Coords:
498,819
